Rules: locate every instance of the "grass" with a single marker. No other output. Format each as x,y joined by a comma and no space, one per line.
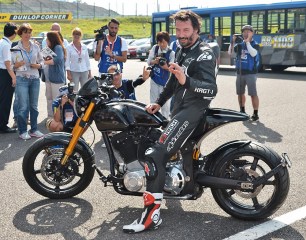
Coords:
7,1
139,27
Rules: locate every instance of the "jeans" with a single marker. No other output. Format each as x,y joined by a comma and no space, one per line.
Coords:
27,92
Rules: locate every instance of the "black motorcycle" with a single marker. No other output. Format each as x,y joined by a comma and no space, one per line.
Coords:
248,180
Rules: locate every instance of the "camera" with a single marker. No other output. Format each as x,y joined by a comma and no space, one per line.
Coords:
100,33
107,77
162,61
70,94
239,38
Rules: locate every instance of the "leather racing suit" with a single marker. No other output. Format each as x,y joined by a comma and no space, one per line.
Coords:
190,102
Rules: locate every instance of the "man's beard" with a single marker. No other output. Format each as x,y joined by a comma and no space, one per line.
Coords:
188,42
112,34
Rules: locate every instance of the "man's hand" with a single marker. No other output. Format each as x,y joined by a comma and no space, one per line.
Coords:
69,76
108,51
250,36
145,73
153,108
14,82
64,100
175,69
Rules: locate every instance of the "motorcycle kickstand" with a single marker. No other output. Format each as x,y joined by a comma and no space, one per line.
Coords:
102,177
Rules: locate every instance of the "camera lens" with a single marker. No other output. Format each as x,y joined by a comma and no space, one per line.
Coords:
162,61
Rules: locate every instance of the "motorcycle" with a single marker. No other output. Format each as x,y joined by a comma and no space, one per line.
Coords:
248,180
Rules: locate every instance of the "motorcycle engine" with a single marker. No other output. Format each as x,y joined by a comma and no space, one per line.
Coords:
175,178
131,146
134,178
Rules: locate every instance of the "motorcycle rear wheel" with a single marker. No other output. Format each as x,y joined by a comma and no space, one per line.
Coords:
45,175
255,160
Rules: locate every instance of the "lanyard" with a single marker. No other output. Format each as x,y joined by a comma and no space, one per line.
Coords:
78,52
29,55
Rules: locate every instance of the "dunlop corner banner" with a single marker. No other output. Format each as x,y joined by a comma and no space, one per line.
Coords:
28,17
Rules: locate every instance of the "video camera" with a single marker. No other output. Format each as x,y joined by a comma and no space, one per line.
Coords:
239,38
100,33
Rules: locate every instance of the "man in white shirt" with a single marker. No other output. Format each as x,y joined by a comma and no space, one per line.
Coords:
8,77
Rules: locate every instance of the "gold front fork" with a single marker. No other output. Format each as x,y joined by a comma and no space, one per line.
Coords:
77,132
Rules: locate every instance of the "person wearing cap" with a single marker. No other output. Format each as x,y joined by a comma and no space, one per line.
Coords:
64,117
247,60
125,86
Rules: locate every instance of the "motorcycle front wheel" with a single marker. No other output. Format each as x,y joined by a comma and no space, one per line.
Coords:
247,164
45,175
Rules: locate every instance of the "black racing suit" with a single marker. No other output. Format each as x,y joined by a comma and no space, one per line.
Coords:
190,102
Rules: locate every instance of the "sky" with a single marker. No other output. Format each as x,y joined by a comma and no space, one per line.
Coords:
146,7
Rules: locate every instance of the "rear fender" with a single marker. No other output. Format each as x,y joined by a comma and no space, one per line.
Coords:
65,138
222,151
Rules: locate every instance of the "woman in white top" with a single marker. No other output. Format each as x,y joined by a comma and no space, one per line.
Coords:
77,62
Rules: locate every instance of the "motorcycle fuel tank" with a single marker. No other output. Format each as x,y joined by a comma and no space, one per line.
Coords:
121,114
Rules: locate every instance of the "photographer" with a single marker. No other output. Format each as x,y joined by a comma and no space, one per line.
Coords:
64,117
159,58
110,49
125,86
247,60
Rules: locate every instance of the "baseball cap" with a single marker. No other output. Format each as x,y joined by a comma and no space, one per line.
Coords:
247,27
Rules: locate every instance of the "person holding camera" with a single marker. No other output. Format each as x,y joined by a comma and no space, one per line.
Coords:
247,61
64,117
159,58
111,49
126,86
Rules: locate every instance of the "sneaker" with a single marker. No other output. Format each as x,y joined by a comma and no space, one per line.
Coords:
36,134
254,118
25,136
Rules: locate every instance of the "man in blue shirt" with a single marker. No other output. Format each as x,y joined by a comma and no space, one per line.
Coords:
111,49
125,86
247,60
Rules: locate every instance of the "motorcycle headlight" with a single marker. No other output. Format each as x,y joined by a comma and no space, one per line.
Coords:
80,105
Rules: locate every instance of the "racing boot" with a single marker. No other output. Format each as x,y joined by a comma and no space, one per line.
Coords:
150,218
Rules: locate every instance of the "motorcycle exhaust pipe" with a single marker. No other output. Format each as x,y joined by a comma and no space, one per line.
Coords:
223,183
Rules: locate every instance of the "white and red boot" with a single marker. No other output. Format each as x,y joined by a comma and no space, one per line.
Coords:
150,218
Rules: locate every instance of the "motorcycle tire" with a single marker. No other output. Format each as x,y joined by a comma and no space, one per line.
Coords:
45,175
255,160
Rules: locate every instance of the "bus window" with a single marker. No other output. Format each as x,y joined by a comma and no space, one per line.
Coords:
223,32
296,20
257,21
172,27
240,19
276,21
160,26
205,25
222,26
